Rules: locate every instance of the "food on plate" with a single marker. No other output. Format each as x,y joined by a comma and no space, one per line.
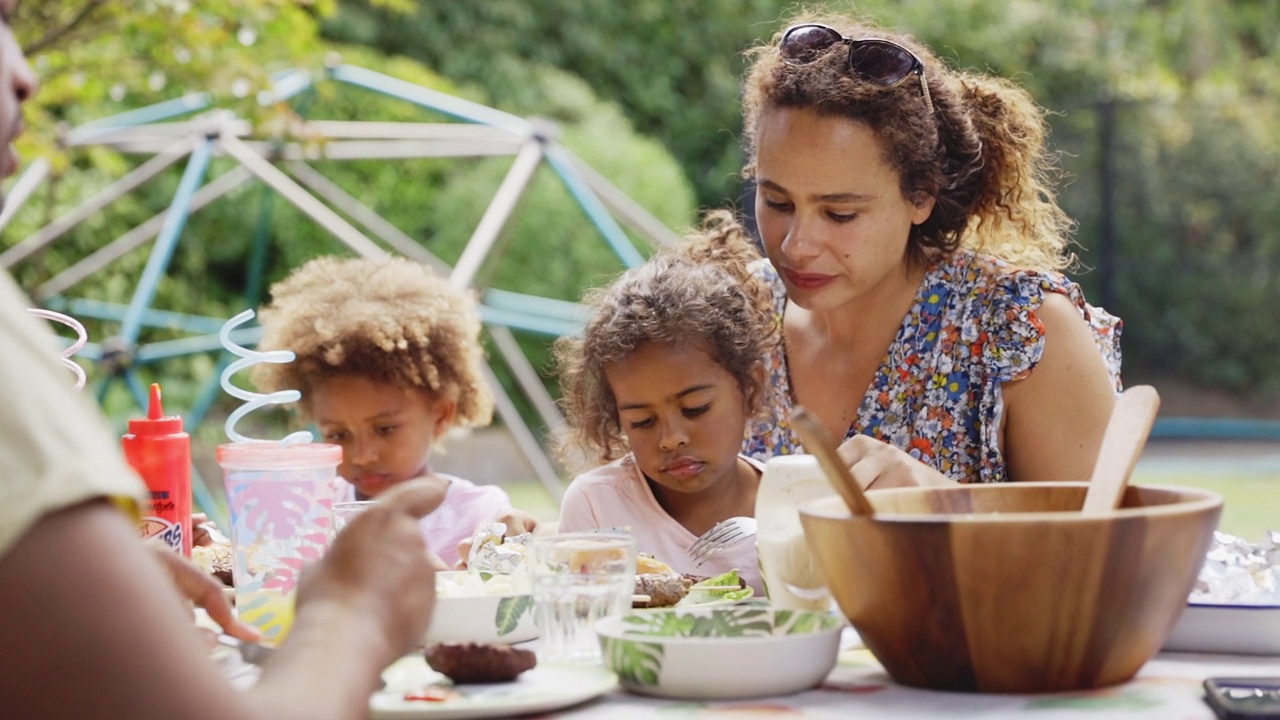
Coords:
214,559
433,693
662,590
658,585
464,583
477,663
492,551
726,586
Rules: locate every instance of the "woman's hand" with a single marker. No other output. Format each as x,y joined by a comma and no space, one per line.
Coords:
194,584
876,464
518,522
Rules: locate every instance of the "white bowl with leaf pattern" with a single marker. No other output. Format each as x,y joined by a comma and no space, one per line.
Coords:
481,608
720,653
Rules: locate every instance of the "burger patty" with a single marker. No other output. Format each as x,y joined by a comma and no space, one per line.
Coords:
664,590
477,663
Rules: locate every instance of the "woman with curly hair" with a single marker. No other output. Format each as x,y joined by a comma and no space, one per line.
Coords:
388,359
915,249
658,388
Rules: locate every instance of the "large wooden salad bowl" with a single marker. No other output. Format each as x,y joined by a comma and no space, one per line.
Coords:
1009,588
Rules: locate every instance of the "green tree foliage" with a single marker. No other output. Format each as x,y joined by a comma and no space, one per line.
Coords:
629,85
100,59
673,67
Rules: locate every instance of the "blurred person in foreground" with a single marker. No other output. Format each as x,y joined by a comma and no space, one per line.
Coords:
92,624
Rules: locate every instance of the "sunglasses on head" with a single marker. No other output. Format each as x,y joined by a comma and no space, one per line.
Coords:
882,62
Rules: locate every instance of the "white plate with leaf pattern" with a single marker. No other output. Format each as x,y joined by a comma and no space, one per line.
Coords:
720,653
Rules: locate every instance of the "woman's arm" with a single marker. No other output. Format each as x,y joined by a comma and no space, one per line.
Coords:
1055,417
92,627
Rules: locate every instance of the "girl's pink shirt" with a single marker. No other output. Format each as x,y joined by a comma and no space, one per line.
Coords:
617,496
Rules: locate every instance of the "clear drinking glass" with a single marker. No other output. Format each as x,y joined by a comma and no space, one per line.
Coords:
579,578
345,512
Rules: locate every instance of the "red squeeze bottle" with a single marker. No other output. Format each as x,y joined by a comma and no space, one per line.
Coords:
160,451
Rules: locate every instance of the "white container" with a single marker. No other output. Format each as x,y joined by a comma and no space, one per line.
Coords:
1230,629
790,571
469,611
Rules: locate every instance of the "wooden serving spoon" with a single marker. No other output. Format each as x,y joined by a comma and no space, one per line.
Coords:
1126,435
818,442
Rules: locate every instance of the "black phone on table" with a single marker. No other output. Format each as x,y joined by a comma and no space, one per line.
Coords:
1244,698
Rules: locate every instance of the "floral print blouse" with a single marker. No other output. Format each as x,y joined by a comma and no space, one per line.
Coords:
937,393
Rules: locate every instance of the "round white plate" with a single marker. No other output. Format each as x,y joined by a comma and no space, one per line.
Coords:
542,689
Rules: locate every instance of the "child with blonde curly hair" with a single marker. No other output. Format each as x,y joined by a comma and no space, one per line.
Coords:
659,387
388,359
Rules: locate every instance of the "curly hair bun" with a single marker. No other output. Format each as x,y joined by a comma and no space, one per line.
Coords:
392,320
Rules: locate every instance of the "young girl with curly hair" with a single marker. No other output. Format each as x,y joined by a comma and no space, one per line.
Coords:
388,359
658,387
915,247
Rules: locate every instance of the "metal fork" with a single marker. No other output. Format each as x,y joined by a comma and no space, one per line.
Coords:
721,535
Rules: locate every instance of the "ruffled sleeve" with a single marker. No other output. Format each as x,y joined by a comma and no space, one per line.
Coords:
1015,344
1017,335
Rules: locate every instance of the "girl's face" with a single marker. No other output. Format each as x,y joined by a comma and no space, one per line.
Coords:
683,414
385,430
831,212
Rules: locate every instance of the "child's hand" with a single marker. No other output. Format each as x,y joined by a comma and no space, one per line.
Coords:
518,522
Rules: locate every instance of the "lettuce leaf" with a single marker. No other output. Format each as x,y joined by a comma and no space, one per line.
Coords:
729,579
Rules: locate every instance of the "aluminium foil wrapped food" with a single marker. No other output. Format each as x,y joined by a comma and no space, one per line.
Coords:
1238,572
493,552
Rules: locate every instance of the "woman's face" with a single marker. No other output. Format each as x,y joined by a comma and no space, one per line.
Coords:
831,212
683,414
385,431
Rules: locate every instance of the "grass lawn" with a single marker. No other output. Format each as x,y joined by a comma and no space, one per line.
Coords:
1250,501
531,497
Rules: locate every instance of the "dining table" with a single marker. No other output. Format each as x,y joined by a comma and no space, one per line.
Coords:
1168,687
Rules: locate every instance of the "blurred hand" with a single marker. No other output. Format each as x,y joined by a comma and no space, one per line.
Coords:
518,522
203,590
379,568
875,464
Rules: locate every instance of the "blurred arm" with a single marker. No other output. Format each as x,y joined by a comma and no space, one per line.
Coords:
83,600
